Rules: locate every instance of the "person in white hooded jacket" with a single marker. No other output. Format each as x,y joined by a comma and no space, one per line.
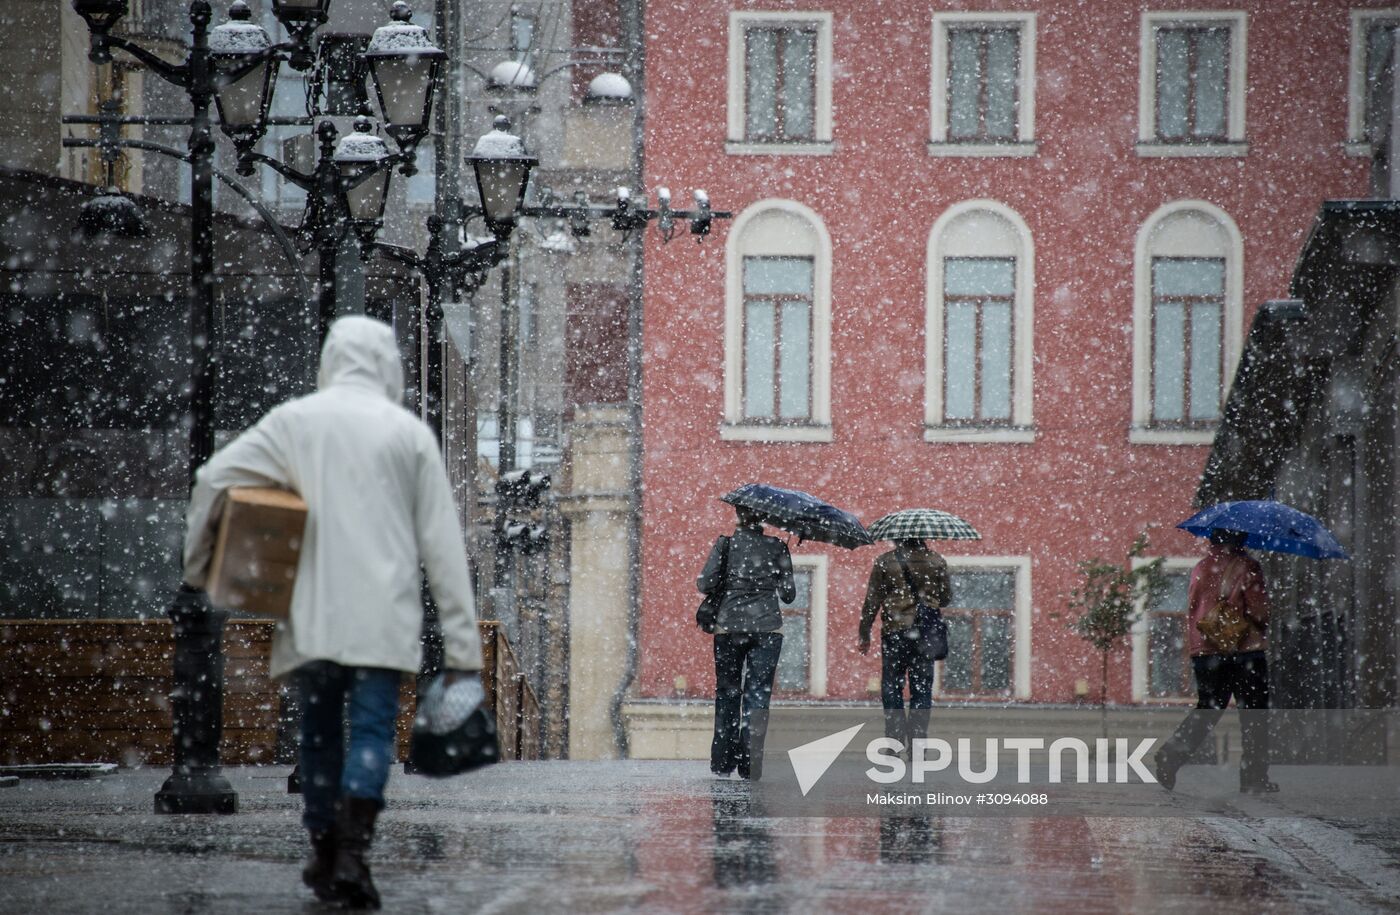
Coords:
379,508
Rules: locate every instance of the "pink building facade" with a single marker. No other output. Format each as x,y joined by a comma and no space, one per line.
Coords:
996,259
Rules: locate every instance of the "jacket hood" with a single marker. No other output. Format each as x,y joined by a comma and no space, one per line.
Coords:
362,351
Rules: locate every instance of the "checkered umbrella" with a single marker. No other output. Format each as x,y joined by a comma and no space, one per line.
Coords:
922,524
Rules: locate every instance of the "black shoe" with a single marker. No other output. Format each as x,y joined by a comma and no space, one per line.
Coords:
1258,786
352,885
722,773
1166,765
321,865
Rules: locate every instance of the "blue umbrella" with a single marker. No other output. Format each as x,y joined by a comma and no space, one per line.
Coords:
1269,525
802,514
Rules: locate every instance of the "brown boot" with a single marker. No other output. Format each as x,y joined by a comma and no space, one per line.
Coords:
354,832
319,867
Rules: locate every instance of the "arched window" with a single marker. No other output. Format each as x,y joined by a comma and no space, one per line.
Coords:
1187,315
981,285
778,325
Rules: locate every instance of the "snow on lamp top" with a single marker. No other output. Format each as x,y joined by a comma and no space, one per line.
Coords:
360,146
499,143
238,37
609,87
512,74
401,38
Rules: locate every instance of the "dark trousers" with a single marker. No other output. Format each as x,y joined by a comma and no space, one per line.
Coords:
745,663
331,767
1244,676
902,657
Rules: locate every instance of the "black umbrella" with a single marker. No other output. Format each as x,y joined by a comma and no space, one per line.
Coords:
802,514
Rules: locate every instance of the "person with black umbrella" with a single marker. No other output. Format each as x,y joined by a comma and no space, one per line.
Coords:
745,576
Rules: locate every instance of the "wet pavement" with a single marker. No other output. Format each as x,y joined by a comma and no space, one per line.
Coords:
667,837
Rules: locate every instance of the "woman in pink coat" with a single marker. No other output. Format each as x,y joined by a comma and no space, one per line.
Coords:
1229,575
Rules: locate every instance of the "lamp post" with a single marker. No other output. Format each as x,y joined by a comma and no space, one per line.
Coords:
350,184
196,784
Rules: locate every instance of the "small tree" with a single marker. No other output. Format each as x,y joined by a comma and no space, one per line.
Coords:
1110,600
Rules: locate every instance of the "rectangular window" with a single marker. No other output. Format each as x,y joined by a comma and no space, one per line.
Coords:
1376,65
795,663
978,305
422,186
1188,308
780,66
1193,83
1169,674
981,624
984,64
522,32
293,145
778,339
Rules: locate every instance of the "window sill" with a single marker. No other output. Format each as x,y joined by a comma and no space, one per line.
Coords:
1017,435
1192,150
740,148
1145,435
944,149
736,432
1359,148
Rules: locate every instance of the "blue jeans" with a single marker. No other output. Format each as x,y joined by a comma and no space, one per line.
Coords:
901,657
745,663
331,768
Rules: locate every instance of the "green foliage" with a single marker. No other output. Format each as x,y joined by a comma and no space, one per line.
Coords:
1110,599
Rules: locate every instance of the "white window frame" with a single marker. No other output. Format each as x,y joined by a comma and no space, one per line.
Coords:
1139,635
1142,432
1361,21
734,427
1022,429
739,22
816,622
1021,625
1148,144
1025,143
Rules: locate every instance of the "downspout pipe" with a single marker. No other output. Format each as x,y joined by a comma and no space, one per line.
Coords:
633,14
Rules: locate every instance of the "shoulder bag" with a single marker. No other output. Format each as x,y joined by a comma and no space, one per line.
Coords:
707,616
1224,625
933,629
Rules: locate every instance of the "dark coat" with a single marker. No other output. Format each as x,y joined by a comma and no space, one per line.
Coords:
887,593
757,574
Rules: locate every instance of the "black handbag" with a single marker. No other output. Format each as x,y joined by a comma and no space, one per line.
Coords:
453,731
707,616
933,629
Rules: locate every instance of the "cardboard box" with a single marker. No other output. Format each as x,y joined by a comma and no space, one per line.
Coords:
255,554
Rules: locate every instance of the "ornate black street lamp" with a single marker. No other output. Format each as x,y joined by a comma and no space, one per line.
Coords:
350,184
245,74
404,64
502,169
236,70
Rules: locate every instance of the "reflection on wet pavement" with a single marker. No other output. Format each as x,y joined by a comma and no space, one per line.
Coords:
668,837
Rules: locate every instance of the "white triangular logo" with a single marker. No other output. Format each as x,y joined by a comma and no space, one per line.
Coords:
811,760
